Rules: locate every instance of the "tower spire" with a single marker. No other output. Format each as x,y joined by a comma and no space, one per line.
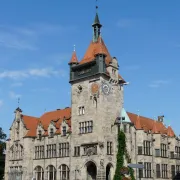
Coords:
96,26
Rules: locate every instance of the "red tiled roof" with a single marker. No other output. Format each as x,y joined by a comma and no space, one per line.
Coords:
147,124
94,49
170,132
154,128
74,58
31,124
137,123
57,117
140,122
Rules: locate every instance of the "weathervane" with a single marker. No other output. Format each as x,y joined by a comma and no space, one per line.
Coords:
18,101
96,6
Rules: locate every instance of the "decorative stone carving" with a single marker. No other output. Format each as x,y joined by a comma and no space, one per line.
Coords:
79,89
90,150
102,163
101,145
110,158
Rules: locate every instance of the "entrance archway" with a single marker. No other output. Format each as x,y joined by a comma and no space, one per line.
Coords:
91,171
108,172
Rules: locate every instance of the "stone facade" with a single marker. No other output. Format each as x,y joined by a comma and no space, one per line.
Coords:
84,146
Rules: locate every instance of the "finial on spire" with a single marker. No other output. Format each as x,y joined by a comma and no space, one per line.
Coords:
18,101
74,47
138,112
96,26
96,6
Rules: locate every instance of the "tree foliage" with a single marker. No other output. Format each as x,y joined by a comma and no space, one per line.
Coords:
2,149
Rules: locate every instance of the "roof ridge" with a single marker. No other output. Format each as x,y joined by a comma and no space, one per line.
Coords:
142,116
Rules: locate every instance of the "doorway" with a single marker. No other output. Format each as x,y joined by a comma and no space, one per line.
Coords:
108,172
91,171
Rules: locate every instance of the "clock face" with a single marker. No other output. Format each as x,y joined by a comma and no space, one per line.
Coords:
94,88
106,88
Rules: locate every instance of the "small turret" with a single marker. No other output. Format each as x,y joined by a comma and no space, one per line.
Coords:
74,59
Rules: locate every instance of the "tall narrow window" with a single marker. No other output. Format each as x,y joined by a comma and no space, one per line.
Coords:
140,171
147,170
77,151
64,131
109,148
173,171
163,150
81,110
164,171
147,148
139,150
39,134
125,128
51,132
158,172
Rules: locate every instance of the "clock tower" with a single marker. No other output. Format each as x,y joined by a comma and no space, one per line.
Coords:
96,98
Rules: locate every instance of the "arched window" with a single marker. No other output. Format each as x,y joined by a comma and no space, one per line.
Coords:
39,173
12,153
51,172
20,151
64,172
16,152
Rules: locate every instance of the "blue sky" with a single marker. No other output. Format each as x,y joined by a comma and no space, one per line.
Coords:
36,43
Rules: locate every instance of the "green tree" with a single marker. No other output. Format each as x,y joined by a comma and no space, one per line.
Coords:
122,152
120,155
2,149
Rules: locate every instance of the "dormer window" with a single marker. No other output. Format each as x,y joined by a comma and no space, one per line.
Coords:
39,134
123,118
64,130
51,132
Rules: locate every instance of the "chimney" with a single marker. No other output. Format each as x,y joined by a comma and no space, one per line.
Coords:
161,118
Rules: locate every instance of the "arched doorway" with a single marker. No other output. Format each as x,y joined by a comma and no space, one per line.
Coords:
91,171
109,172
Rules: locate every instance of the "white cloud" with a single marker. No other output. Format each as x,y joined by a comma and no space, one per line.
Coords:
158,83
41,72
13,95
1,103
25,37
15,41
